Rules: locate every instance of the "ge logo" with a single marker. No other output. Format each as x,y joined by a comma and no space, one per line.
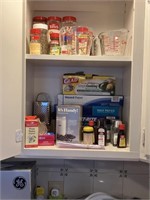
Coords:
19,182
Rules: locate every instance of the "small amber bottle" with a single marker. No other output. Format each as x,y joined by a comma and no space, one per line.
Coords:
121,142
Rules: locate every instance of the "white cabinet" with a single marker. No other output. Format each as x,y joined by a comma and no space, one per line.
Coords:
42,73
11,77
45,71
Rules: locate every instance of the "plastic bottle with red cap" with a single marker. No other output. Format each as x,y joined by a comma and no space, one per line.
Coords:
121,142
39,19
68,35
83,40
54,44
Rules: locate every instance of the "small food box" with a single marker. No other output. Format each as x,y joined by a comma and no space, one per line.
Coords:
88,84
46,139
95,106
31,129
68,123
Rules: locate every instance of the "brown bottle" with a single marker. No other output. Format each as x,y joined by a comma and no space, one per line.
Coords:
121,142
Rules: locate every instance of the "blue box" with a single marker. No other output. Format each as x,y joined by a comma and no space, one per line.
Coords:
95,106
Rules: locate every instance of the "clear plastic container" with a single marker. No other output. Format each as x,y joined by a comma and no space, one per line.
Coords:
88,135
54,44
84,40
68,36
38,41
113,42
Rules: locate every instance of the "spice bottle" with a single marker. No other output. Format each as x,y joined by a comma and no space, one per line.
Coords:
108,130
101,133
54,24
92,124
121,142
35,43
115,131
68,36
83,41
54,44
88,133
39,20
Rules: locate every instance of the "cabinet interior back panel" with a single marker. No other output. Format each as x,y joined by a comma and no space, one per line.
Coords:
49,79
98,15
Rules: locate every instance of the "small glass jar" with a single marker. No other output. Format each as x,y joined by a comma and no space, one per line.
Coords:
54,44
35,43
88,135
39,20
38,41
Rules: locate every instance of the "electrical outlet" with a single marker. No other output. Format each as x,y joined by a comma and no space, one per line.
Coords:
19,135
56,185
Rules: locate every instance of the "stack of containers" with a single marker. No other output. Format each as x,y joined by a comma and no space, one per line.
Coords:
56,36
38,36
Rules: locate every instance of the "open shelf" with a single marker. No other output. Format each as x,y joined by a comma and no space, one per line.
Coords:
74,59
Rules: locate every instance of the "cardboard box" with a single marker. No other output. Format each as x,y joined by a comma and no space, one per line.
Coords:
68,123
88,84
95,106
46,139
31,128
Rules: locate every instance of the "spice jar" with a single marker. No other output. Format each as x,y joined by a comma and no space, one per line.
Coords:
54,24
84,40
68,35
69,21
54,44
35,44
38,41
39,20
88,135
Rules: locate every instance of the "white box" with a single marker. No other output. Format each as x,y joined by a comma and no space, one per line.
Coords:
68,123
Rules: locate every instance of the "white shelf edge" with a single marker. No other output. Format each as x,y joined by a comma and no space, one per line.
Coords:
74,153
78,58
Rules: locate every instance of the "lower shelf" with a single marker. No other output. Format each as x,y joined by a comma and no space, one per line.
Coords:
110,153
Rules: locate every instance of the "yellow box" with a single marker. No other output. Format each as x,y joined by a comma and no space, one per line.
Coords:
88,84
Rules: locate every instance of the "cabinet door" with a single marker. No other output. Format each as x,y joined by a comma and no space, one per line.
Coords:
11,34
145,136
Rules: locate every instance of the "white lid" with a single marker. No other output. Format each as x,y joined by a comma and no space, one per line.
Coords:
41,26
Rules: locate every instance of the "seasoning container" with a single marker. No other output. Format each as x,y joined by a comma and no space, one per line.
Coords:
68,36
35,43
39,19
115,131
83,41
54,44
40,26
38,41
69,21
101,133
54,24
88,134
121,142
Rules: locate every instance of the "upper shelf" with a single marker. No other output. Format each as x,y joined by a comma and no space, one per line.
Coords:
73,60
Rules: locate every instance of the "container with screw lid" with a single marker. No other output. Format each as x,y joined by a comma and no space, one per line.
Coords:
68,36
88,135
38,41
39,20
